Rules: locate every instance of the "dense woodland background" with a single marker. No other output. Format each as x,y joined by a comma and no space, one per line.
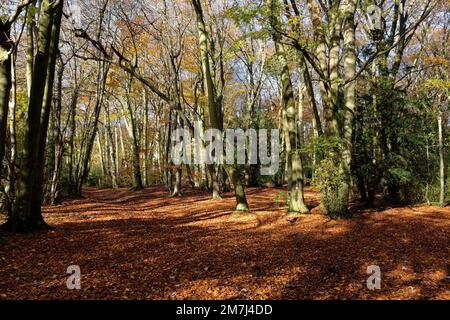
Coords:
90,92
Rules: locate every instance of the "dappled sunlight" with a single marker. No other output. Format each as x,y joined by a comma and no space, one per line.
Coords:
197,149
195,247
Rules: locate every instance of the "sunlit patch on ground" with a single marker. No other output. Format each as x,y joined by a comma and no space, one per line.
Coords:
146,245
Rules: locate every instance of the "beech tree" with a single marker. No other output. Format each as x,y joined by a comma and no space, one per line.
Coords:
26,212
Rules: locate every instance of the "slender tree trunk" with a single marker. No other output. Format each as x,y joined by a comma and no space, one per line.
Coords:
5,85
123,157
103,68
101,154
316,122
146,128
31,26
135,148
215,120
189,176
294,162
59,143
116,144
177,185
112,150
101,77
167,166
311,99
10,188
71,143
441,161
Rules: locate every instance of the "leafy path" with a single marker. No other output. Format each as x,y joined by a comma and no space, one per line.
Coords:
145,245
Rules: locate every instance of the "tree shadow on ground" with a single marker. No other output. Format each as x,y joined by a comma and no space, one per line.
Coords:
197,248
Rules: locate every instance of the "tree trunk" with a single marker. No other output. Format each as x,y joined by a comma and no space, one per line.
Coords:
101,77
441,161
294,162
135,148
350,103
236,176
5,85
59,143
101,154
177,184
38,186
145,155
178,171
31,26
71,142
112,151
167,167
26,214
215,120
10,188
103,68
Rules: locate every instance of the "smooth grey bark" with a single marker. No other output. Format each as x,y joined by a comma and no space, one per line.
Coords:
135,147
441,160
349,57
55,187
167,164
145,142
5,84
293,158
215,120
71,141
10,187
31,27
112,150
101,154
215,106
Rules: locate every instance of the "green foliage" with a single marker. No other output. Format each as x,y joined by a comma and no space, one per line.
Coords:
330,180
319,146
97,179
395,146
281,196
329,177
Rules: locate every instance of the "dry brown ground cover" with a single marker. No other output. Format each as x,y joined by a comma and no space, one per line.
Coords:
145,245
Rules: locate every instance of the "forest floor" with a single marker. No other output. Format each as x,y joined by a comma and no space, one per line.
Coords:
146,245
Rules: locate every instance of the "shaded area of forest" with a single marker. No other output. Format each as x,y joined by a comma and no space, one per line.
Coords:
146,245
